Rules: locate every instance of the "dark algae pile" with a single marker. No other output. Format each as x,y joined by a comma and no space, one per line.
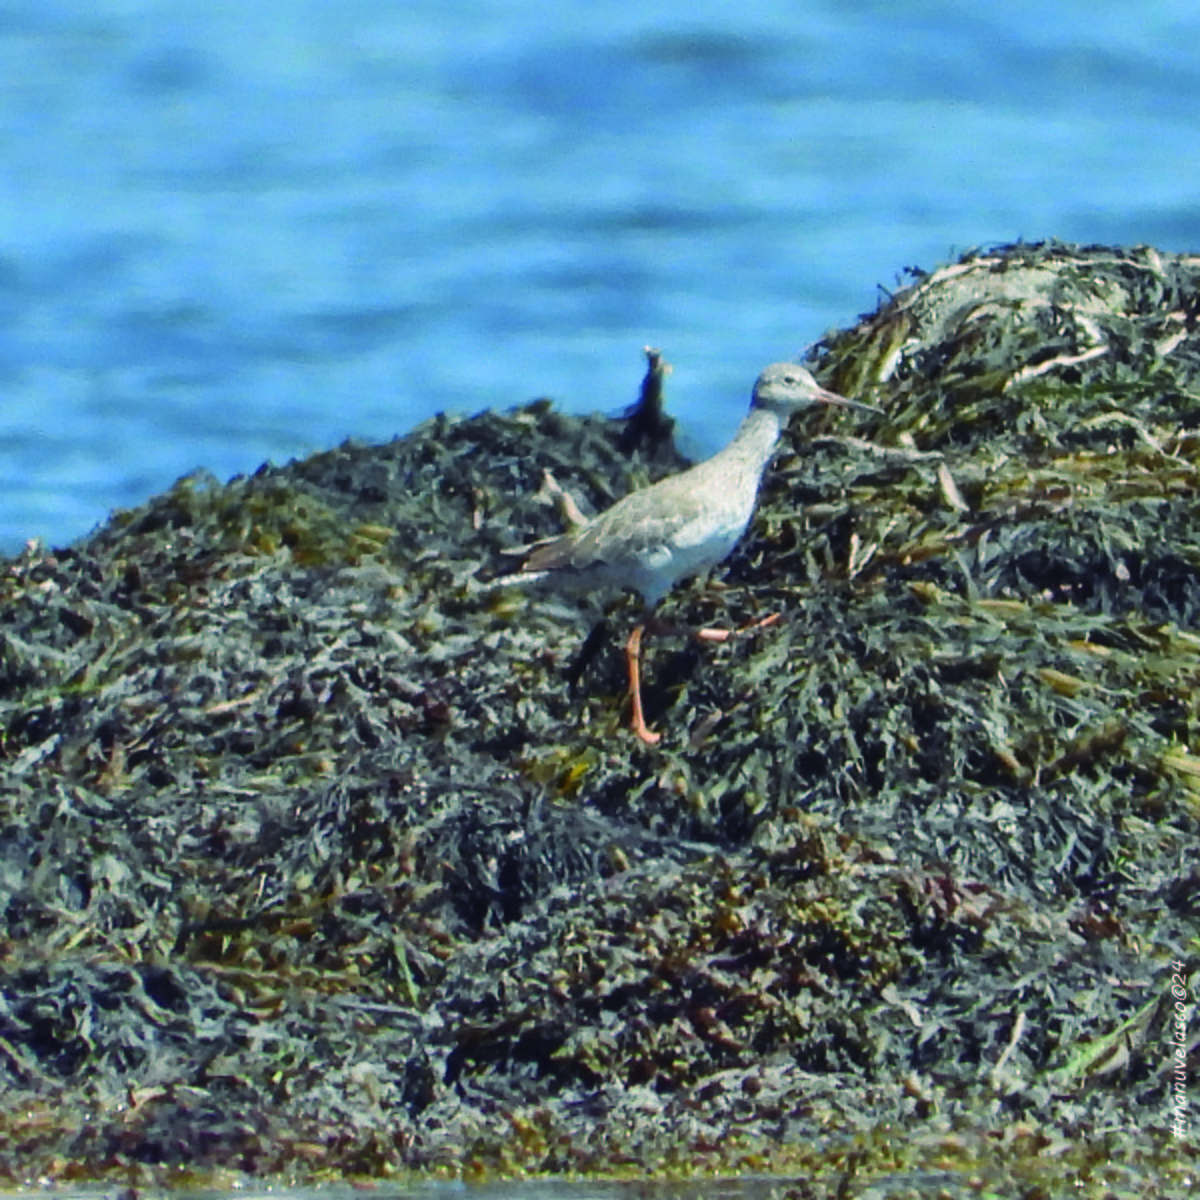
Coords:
320,858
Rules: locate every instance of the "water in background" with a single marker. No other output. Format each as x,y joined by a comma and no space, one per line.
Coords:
234,232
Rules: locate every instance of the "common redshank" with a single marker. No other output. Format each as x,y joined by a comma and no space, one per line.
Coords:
683,525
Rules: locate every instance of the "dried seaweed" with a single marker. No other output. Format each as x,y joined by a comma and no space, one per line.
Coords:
316,857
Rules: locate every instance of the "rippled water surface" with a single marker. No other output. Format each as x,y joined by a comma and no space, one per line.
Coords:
237,232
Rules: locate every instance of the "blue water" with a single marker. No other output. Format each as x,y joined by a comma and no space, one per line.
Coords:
233,232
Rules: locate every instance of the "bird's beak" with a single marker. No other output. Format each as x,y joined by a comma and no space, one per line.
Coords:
824,397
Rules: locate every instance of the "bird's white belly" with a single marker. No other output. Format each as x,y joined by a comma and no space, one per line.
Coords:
694,551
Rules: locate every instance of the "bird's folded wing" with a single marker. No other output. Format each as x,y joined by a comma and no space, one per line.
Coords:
633,529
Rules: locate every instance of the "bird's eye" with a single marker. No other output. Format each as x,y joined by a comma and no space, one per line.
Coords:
790,379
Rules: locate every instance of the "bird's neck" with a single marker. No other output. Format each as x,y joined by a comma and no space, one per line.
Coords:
755,439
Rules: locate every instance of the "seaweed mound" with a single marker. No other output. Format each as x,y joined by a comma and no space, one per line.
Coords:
318,857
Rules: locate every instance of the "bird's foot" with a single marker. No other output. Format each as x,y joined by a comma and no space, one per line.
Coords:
643,730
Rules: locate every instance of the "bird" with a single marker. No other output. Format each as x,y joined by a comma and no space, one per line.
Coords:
681,526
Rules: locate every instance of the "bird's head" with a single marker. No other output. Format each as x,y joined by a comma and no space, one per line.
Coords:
784,388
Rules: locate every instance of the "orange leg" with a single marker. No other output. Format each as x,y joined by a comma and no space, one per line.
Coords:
723,635
633,656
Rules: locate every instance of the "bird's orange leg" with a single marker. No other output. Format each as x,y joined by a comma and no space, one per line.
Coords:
633,656
723,635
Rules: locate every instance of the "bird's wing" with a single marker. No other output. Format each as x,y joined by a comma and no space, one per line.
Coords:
635,527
